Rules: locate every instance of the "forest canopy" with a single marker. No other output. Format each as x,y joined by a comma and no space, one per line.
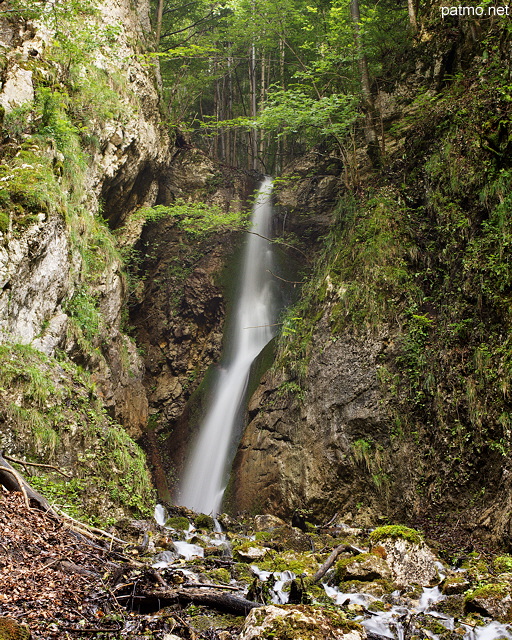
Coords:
265,79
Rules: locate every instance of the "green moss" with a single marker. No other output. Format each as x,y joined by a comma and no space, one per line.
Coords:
492,591
4,222
303,621
178,522
221,576
395,531
58,419
377,605
455,584
452,606
502,564
298,563
202,521
376,588
242,573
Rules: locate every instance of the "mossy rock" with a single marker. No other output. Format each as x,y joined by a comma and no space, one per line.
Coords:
242,573
12,630
502,564
221,576
299,622
431,624
377,588
202,521
478,569
456,584
249,552
452,606
365,567
298,563
179,523
395,531
493,600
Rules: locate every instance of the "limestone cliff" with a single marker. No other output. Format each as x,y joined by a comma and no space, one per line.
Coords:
82,147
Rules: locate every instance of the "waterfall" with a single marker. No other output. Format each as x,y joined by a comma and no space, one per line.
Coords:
250,330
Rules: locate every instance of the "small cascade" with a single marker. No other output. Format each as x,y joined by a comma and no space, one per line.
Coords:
251,328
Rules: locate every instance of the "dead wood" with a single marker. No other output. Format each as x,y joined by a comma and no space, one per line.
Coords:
226,602
12,480
222,601
209,585
26,464
331,560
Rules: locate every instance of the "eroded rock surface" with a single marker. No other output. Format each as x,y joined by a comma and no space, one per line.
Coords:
298,449
298,622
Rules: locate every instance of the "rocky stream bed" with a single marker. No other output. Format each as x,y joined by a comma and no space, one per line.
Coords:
184,575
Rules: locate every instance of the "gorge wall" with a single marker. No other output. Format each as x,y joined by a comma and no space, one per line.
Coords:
389,397
82,147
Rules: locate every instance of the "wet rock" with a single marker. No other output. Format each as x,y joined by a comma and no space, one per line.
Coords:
300,623
289,538
301,453
250,554
456,584
362,567
493,600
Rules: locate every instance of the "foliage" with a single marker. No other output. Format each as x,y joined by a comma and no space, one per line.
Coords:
197,219
51,413
303,81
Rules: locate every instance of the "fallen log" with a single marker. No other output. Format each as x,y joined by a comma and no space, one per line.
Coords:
12,480
155,600
331,560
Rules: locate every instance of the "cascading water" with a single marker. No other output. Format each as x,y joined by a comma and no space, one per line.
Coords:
251,329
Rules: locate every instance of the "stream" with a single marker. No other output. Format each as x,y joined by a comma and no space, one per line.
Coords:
399,615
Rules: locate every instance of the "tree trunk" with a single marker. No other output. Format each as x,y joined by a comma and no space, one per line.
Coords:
369,106
411,7
252,80
159,18
12,480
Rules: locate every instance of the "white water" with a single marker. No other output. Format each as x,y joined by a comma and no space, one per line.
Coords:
251,329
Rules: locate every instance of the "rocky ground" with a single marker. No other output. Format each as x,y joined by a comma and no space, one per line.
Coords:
176,577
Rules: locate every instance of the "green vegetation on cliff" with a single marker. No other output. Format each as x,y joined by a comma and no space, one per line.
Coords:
419,253
52,413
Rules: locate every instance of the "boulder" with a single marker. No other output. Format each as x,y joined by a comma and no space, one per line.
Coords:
250,554
408,557
493,600
365,566
300,622
267,522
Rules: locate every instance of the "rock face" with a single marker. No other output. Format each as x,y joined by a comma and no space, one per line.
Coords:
298,623
40,267
34,280
179,306
299,450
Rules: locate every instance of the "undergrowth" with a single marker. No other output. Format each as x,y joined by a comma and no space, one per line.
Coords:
52,414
